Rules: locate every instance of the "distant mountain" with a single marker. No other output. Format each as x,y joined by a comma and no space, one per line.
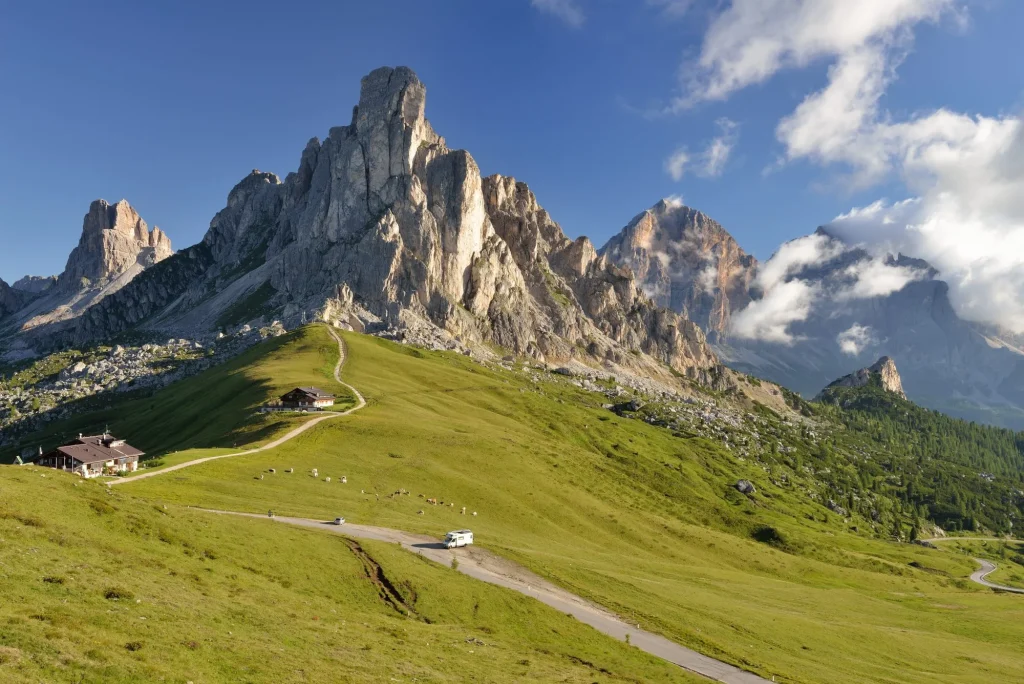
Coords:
883,372
10,301
687,262
384,228
116,245
964,369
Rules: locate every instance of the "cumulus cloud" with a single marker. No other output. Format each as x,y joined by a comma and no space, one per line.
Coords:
568,11
676,164
964,173
753,39
808,274
876,277
855,339
794,256
709,163
768,319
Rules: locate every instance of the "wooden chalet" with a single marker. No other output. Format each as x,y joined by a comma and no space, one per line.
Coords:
307,398
92,456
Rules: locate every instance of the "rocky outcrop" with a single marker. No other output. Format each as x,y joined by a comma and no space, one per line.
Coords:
34,285
114,240
585,298
9,299
686,262
882,371
383,227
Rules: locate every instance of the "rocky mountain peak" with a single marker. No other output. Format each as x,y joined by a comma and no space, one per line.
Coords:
687,262
9,300
383,228
884,370
114,240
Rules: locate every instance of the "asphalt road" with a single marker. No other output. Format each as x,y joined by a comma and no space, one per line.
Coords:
485,566
987,567
360,403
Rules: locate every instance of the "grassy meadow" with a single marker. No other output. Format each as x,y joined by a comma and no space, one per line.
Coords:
641,521
216,408
100,586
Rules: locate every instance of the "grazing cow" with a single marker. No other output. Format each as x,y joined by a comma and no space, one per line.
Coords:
344,480
463,510
451,505
474,512
272,470
432,502
420,495
362,491
290,470
315,473
419,512
327,479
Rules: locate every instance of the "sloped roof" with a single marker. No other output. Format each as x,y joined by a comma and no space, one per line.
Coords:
98,448
315,392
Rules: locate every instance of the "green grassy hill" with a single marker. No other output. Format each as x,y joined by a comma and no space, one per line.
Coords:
216,408
639,518
101,586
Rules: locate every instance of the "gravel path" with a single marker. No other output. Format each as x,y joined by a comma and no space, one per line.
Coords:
360,403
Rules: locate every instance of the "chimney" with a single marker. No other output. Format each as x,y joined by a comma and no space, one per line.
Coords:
79,435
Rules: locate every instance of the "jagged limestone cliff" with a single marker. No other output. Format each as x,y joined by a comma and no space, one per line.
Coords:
686,262
116,245
384,227
884,370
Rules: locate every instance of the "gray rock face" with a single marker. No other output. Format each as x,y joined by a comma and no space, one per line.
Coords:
116,246
691,264
745,487
884,369
9,299
686,262
34,285
384,226
114,239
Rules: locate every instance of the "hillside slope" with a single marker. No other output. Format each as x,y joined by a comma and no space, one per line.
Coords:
639,518
100,586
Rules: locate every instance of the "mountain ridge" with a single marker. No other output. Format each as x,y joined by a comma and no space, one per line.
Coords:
384,228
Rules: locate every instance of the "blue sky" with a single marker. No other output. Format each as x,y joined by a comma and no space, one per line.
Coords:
168,107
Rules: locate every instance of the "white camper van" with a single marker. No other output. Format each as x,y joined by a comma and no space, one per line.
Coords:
458,538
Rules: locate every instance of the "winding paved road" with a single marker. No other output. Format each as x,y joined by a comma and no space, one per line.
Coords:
360,403
493,569
987,567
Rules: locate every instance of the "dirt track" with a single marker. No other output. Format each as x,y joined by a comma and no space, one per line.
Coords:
360,403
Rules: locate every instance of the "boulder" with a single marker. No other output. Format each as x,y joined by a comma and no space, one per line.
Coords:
745,487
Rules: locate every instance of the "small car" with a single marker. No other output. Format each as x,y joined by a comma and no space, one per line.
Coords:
339,521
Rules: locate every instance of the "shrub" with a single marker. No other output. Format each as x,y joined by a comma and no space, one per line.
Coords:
118,594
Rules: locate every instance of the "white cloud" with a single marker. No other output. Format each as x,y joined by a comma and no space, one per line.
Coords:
753,39
876,278
855,339
794,256
568,11
769,318
676,164
964,172
672,8
710,163
804,276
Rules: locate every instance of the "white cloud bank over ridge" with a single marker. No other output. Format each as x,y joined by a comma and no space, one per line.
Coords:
966,171
791,290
